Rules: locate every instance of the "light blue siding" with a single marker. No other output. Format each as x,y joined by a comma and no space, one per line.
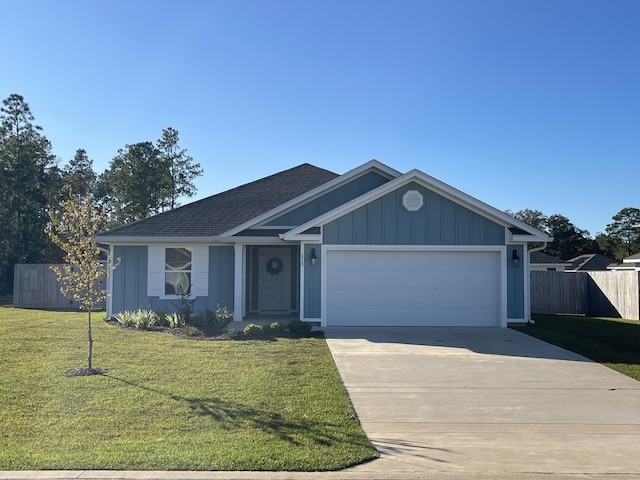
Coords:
221,273
440,221
515,284
312,283
331,200
130,281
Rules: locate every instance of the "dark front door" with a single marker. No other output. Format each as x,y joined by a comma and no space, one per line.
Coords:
274,280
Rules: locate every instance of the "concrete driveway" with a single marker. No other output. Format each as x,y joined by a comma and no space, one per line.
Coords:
486,403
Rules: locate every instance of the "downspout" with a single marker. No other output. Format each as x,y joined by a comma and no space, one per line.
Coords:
529,252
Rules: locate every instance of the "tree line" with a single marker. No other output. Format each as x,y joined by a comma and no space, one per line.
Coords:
620,239
147,178
142,179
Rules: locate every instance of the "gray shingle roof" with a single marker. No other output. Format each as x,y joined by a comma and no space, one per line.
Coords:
219,213
591,262
541,257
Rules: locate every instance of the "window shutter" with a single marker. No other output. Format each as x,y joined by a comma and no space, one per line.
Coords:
155,271
200,272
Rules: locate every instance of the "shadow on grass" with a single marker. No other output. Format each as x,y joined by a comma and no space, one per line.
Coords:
603,340
232,415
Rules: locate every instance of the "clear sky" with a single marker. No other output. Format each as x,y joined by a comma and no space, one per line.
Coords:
520,103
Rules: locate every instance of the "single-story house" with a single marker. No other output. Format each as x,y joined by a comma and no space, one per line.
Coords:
591,262
540,261
631,262
372,246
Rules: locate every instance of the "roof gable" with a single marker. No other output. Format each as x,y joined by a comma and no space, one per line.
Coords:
456,196
314,194
219,213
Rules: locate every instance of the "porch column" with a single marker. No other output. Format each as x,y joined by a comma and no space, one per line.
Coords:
238,283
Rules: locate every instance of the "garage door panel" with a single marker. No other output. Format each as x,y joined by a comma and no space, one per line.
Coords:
413,288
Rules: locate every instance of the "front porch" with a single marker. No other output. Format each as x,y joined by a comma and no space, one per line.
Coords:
264,320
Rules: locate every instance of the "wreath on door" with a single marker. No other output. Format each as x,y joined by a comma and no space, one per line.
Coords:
274,266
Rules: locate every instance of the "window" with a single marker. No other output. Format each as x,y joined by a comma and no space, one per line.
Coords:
177,271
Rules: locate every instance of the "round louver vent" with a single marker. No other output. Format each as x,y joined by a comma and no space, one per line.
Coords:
412,200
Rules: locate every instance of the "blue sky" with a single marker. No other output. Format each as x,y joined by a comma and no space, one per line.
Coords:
522,104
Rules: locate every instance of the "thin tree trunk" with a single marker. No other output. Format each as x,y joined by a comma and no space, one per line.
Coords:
90,343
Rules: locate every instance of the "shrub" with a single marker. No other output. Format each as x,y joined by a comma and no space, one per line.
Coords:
192,331
202,319
216,321
252,330
144,319
184,302
298,327
174,320
162,318
125,318
222,317
277,327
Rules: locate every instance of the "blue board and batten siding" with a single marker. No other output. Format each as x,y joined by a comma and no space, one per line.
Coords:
515,284
330,200
440,221
312,291
130,281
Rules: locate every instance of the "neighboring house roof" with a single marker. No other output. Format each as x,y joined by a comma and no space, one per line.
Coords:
632,259
546,259
219,213
591,262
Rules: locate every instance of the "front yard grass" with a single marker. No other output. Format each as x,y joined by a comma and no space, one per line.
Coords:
168,403
610,341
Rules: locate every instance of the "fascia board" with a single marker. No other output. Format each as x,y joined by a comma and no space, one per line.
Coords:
325,187
435,185
128,240
483,208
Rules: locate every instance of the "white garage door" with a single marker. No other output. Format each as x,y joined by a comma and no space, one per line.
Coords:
413,288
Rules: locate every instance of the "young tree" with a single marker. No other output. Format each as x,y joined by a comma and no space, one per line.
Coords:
182,170
82,278
625,228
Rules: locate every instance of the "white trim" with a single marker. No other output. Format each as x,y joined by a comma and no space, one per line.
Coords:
301,283
501,249
109,304
432,184
127,240
305,197
156,270
238,282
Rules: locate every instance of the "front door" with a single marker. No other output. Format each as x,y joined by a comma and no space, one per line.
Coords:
274,279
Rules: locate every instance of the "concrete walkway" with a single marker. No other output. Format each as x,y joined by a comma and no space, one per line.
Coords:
467,403
476,402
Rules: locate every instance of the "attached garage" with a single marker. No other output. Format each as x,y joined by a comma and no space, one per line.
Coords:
391,287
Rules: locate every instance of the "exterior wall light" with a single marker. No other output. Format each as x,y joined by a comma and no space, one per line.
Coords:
313,257
515,259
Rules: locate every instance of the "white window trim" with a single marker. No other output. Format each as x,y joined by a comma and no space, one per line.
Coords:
199,270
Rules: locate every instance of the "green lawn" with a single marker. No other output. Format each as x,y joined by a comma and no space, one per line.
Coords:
168,403
610,341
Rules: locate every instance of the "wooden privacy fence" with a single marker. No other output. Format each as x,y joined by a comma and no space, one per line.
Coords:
605,294
36,286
